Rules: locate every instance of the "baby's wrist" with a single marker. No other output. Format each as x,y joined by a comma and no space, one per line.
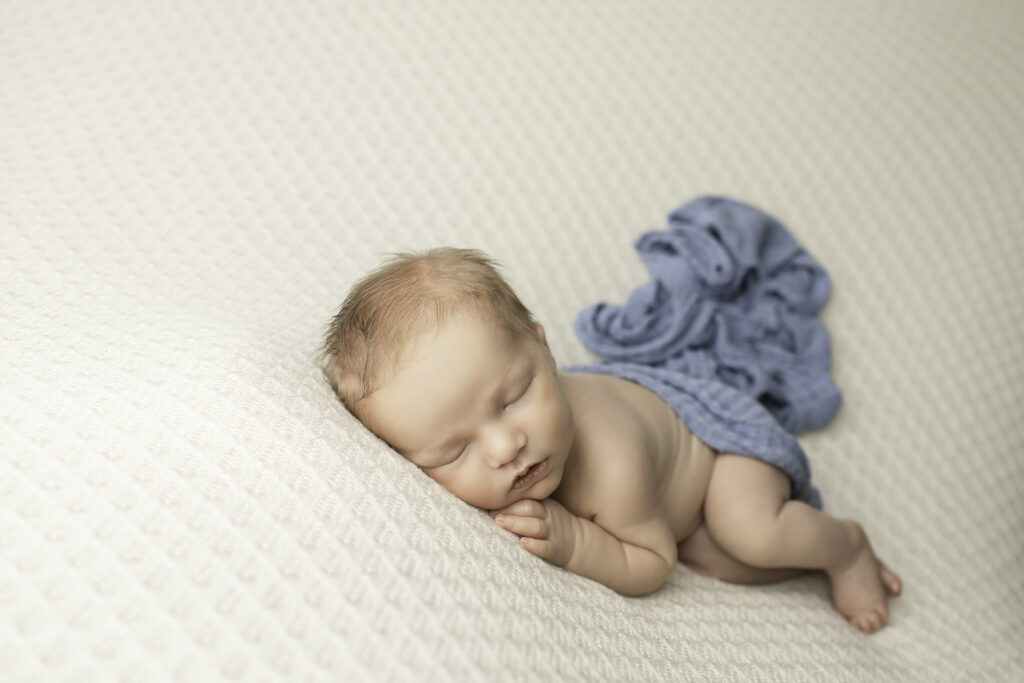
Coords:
574,540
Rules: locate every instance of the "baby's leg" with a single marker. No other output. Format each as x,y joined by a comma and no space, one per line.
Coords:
749,514
700,553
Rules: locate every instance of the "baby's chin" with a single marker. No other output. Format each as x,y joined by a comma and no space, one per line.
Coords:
550,485
539,491
543,488
497,500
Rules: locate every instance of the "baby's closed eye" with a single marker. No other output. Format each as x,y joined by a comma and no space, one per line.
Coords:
457,452
519,394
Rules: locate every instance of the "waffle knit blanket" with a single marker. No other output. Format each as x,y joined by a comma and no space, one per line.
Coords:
726,332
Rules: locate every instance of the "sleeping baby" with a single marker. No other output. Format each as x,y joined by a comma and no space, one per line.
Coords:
595,473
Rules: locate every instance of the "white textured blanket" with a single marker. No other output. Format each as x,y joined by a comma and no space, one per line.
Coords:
188,188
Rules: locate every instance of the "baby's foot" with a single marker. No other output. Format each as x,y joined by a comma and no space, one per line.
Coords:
860,589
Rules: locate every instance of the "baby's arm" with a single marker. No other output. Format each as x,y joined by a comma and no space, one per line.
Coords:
634,561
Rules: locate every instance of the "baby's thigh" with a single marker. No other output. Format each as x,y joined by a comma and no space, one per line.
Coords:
744,489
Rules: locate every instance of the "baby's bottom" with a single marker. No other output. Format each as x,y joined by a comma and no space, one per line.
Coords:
749,515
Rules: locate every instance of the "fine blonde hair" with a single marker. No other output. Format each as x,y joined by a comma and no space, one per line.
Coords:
409,294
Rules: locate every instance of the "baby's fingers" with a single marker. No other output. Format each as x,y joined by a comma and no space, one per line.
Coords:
523,526
545,550
526,507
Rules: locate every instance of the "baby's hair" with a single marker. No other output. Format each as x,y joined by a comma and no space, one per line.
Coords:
409,294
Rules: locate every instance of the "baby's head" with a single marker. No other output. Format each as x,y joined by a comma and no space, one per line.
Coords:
412,294
437,355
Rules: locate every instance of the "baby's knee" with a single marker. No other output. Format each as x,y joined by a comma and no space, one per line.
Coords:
744,534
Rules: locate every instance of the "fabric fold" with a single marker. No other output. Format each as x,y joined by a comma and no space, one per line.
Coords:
732,296
726,332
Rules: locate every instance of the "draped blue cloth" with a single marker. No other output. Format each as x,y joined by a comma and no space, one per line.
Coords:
726,331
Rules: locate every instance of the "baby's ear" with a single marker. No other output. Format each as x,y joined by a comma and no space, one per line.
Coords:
540,332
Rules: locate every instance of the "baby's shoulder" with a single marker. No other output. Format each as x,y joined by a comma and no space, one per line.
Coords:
613,443
616,419
606,419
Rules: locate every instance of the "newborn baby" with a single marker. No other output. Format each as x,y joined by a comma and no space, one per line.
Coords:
436,355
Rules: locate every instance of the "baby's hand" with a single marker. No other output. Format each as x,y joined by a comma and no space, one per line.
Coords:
545,528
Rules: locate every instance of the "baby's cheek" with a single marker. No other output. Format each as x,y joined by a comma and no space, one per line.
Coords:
559,416
476,485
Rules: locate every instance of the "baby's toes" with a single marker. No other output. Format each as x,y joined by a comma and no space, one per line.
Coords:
869,622
892,583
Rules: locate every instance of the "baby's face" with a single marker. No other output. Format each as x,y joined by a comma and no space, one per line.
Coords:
483,415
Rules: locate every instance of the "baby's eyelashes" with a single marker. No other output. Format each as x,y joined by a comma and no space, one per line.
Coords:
456,452
445,457
519,395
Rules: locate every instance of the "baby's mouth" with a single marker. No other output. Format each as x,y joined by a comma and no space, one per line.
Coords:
531,476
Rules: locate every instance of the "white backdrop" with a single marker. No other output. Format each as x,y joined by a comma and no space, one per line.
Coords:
187,189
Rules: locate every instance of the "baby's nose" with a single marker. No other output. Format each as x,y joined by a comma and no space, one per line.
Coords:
504,445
